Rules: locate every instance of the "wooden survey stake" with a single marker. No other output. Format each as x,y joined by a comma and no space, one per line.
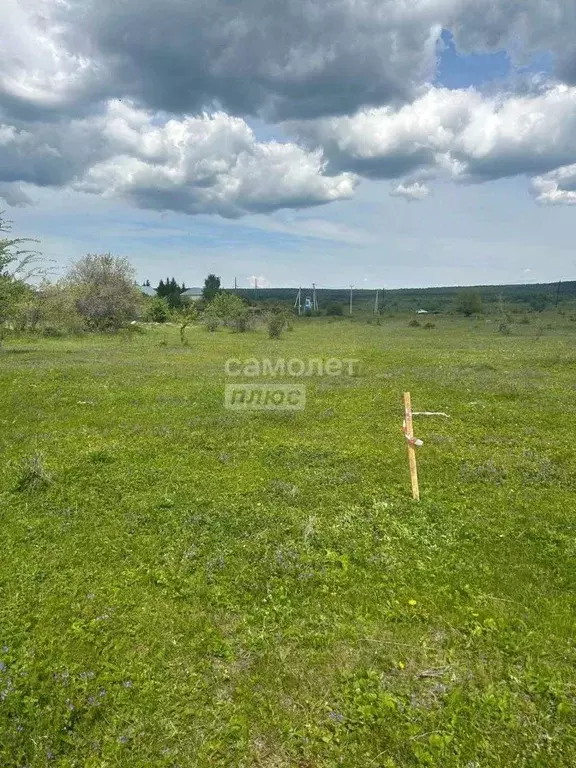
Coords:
409,432
413,443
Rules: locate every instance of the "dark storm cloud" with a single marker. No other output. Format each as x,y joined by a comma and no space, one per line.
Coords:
298,58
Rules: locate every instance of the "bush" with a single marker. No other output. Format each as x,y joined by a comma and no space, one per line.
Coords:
229,309
430,325
468,303
414,324
275,323
50,309
242,321
210,321
106,296
157,310
539,302
334,309
17,266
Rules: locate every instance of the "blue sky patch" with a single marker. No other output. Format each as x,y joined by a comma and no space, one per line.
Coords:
457,70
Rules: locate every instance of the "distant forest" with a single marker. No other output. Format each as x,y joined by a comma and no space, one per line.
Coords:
536,297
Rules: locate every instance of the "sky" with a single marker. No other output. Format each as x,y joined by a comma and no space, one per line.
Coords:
382,143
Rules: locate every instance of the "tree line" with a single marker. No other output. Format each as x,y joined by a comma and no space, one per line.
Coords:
99,293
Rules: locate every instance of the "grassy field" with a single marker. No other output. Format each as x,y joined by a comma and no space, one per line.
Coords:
184,585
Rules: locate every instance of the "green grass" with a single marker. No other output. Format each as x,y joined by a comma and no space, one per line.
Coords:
183,585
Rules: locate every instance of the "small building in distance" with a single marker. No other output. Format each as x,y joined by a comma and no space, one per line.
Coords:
422,312
192,294
147,290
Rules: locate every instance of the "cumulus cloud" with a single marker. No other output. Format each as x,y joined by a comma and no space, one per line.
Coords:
414,191
557,187
457,134
204,164
147,99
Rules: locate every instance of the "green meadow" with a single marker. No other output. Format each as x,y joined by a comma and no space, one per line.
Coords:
188,586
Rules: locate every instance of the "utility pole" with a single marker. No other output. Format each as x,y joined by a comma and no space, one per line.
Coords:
314,301
376,303
235,286
558,293
351,290
298,302
255,289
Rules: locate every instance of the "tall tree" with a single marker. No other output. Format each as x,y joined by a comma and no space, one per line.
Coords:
211,287
468,303
171,291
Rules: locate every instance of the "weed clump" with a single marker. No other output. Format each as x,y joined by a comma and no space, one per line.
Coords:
33,475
